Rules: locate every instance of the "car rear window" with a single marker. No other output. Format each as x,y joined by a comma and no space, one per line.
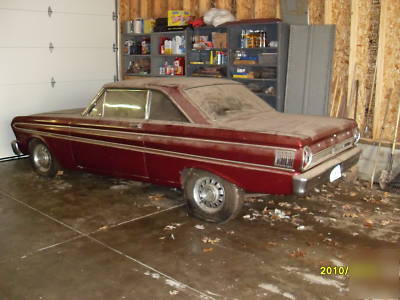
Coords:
226,100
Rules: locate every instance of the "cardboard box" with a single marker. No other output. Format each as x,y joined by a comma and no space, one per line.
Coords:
219,39
178,17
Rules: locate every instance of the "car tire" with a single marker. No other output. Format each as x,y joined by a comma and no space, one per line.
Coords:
211,198
42,160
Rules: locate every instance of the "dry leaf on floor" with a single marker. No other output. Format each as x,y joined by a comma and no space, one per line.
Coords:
156,197
368,223
210,240
350,215
208,250
173,292
297,253
385,222
172,226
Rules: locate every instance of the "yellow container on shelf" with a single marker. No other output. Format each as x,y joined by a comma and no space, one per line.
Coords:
178,17
148,25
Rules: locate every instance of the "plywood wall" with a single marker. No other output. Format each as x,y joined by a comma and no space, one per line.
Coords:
363,28
242,9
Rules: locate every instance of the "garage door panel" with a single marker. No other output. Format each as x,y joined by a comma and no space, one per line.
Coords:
39,65
82,31
82,60
36,5
31,99
84,64
27,65
104,7
24,29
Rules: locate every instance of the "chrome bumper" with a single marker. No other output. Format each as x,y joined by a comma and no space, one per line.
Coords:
15,148
304,182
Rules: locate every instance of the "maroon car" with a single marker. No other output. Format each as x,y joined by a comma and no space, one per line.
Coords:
212,137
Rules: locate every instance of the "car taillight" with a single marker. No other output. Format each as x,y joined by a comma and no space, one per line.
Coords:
284,159
356,135
307,157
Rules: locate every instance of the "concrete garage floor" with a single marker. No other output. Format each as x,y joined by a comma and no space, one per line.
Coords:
83,236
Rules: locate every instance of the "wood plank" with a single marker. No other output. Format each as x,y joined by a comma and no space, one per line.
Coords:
244,9
338,12
353,47
224,4
265,9
204,6
124,10
160,8
388,66
191,6
278,9
316,11
175,4
134,9
146,9
328,12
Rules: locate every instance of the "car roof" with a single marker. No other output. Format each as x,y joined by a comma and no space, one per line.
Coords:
177,81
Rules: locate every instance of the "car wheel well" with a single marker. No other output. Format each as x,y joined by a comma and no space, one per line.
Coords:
184,174
33,141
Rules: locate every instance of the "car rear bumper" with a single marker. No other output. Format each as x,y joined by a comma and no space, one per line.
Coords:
304,182
15,148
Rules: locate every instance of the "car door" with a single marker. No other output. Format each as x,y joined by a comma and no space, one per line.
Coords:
109,138
166,123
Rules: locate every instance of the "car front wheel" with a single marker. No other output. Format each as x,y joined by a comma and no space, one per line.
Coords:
212,198
42,160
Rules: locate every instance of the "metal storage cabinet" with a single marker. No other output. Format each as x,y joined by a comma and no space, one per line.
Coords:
158,60
309,69
276,31
128,58
204,55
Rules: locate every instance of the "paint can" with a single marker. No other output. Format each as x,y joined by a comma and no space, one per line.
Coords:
138,25
129,26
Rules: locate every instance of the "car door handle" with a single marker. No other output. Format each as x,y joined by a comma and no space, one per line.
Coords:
138,126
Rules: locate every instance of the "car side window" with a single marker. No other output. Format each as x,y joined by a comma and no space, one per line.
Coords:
162,108
130,104
97,108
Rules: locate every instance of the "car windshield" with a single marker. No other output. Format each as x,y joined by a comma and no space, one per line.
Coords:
226,100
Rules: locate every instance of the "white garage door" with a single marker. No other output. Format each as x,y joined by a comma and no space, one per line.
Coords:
82,33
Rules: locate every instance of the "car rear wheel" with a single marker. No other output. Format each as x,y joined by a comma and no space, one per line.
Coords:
42,160
212,198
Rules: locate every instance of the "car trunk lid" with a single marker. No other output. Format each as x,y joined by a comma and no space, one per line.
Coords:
306,127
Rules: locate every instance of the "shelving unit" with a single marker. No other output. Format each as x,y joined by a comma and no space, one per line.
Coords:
269,77
206,68
135,63
158,59
269,71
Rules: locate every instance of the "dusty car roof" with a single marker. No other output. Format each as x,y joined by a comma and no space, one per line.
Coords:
180,82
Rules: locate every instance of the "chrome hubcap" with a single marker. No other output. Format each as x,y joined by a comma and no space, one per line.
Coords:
42,158
209,194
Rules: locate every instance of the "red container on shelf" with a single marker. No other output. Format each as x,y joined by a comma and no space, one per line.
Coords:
179,66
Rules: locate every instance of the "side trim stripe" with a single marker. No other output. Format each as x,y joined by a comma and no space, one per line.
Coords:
181,155
158,136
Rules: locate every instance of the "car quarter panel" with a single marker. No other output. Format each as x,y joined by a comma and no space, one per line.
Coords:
233,155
